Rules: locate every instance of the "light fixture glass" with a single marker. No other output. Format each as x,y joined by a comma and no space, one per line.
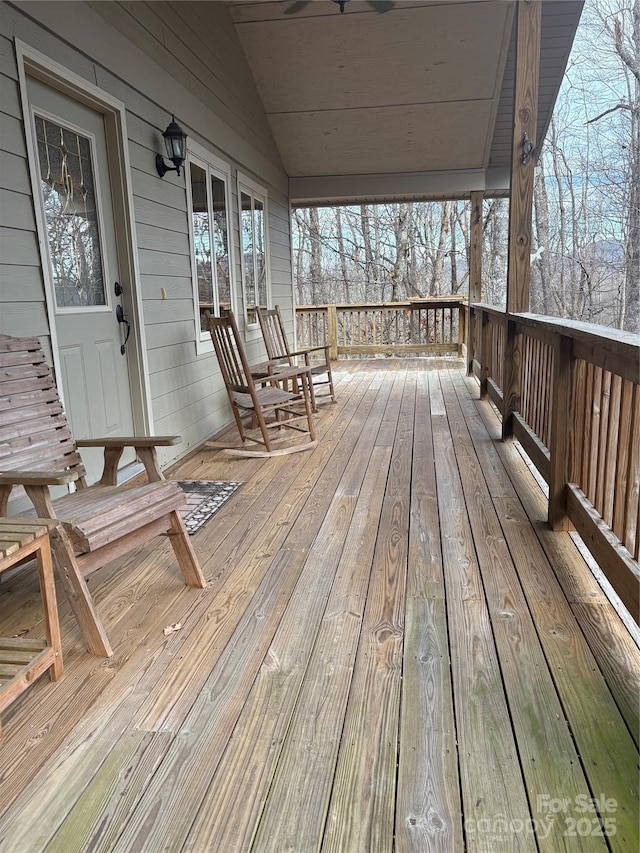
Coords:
175,140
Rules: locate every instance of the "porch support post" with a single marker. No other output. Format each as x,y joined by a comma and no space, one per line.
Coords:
475,272
523,159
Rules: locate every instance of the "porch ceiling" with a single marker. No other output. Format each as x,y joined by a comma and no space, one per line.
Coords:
415,102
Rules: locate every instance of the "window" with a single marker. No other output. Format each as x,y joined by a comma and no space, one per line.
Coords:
253,236
71,215
209,231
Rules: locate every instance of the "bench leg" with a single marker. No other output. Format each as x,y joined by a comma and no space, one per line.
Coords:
71,577
184,552
48,595
75,586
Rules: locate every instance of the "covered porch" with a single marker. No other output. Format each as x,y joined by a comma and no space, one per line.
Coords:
394,652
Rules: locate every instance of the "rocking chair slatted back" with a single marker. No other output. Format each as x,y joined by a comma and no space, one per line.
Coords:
272,328
34,432
235,370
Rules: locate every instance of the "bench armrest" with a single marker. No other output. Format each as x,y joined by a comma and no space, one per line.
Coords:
38,478
131,441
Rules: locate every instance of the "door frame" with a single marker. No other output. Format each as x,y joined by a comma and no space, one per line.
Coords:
33,63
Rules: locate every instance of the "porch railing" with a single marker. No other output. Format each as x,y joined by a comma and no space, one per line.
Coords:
578,418
416,327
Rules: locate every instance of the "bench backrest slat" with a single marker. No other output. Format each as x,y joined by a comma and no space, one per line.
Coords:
34,432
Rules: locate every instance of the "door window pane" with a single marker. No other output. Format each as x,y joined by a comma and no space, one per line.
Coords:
71,217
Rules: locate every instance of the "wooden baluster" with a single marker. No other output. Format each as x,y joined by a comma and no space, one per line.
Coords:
559,438
485,357
332,331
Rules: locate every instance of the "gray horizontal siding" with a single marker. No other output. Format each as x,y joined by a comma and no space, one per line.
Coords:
23,310
187,60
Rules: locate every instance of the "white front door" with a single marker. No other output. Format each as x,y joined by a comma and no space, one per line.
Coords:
76,199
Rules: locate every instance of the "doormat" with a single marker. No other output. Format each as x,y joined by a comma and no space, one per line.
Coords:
204,499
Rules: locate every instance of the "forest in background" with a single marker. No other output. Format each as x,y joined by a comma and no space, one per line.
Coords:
586,216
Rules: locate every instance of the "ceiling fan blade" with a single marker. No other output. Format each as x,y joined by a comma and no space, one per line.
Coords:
296,7
381,5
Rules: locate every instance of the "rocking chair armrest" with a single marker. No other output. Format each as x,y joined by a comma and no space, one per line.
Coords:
38,478
305,352
131,441
288,373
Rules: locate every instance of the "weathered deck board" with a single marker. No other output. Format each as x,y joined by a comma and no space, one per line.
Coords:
428,810
394,653
291,689
490,774
362,805
548,757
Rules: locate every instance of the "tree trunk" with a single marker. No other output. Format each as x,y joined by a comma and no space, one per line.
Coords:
315,262
631,58
542,266
343,257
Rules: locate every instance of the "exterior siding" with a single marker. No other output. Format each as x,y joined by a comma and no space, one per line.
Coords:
185,57
23,310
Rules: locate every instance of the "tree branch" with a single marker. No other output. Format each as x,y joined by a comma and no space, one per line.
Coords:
612,110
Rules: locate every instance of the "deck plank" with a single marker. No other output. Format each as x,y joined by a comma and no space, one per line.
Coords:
493,790
609,755
550,763
428,810
362,805
254,756
394,653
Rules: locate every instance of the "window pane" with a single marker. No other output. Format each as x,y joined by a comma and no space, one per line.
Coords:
71,218
201,240
221,241
260,253
248,249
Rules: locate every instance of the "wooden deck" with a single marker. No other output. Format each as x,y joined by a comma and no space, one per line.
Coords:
393,653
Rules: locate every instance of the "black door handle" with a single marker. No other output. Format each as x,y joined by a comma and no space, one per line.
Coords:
121,318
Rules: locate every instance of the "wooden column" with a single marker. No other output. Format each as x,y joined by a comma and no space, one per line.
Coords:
475,271
523,156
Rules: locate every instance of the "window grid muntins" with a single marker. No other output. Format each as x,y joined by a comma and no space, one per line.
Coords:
253,230
210,236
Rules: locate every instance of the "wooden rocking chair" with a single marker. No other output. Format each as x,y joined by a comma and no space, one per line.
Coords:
277,346
97,523
259,392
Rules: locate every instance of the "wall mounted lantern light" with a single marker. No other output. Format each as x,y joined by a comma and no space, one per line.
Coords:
176,141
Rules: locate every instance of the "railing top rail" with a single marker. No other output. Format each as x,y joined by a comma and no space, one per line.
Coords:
623,344
437,302
489,309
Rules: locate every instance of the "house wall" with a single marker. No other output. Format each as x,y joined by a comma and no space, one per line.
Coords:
157,58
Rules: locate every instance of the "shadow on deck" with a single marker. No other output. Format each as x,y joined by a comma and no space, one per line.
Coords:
393,653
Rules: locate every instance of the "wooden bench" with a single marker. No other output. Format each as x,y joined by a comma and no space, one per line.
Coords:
22,660
98,522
